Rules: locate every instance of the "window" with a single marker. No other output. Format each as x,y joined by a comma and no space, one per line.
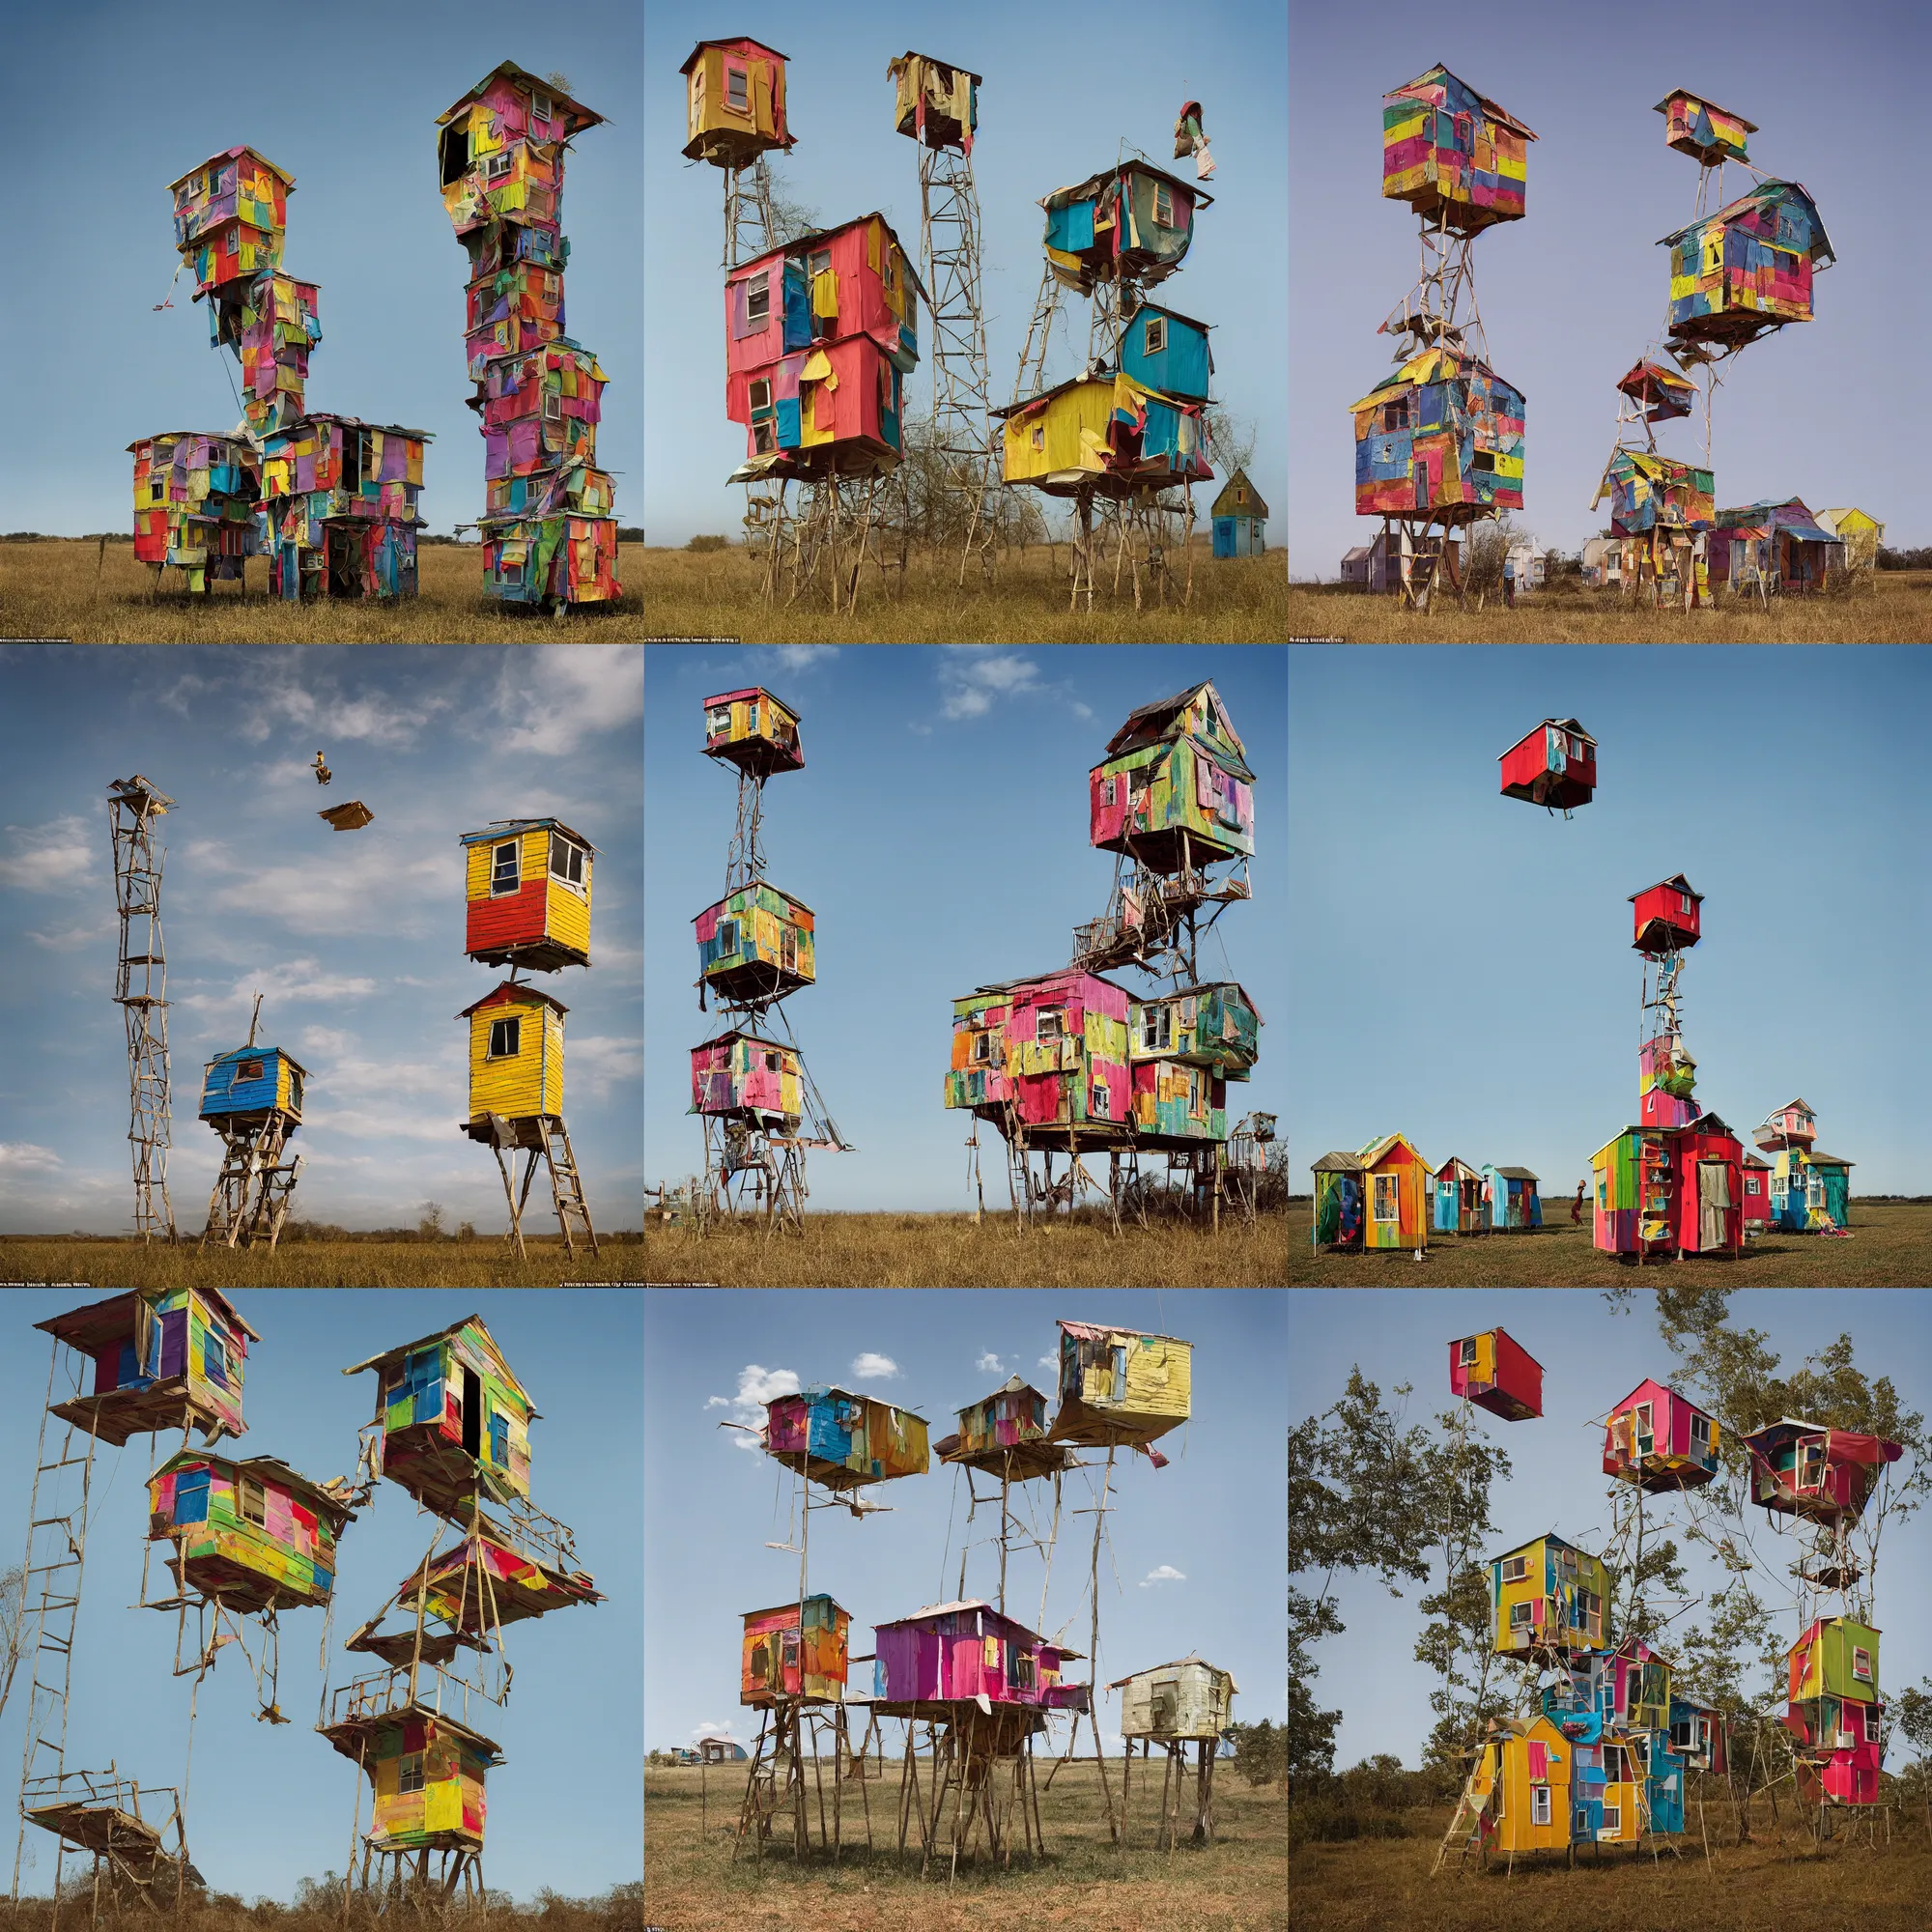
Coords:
982,1048
409,1772
761,393
1157,1028
885,388
539,107
505,869
566,860
1102,1108
1482,459
717,720
1163,205
1157,334
1515,1569
771,1063
1700,1425
498,165
1862,1665
247,1070
1520,1615
1646,1439
510,572
1395,415
215,1360
505,1037
552,409
1613,1818
765,437
817,261
294,1090
737,89
758,299
1039,436
728,937
1684,902
1538,1804
155,490
1469,1362
788,948
1582,1821
253,1504
1388,1198
1751,1187
1052,1023
1197,1092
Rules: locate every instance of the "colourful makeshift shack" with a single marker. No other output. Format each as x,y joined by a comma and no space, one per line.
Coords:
1702,129
1667,1190
1457,158
1107,435
1339,1184
1811,1470
1861,534
1811,1190
744,1077
842,1440
427,1773
1119,1386
485,1581
965,1652
1005,1434
1175,790
1659,1440
754,945
1511,1203
241,1090
1521,1786
1554,764
501,153
750,730
339,504
794,1650
935,104
1174,1703
526,894
1397,1190
230,214
1216,1026
735,102
195,503
1165,351
162,1357
250,1532
1442,435
455,1421
1459,1197
1757,1192
1662,394
1240,516
1497,1372
1746,269
1834,1712
1131,221
516,1057
1648,493
1773,547
1547,1594
1047,1055
1667,916
1699,1734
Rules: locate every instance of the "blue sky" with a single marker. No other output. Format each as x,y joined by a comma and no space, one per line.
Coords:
269,1804
1465,972
355,939
1592,1357
1061,89
108,101
1571,294
1215,1515
939,833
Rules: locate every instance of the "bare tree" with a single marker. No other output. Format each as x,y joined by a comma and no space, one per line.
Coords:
13,1619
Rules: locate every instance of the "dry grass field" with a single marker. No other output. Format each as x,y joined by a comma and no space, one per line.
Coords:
1238,1884
1897,610
947,1251
1891,1246
715,594
319,1909
66,588
485,1262
1369,1885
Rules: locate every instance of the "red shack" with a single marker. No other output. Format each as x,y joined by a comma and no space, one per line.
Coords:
1497,1374
1555,765
1757,1192
1666,918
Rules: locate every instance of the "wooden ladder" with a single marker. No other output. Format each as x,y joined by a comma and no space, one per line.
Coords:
566,1190
1464,1808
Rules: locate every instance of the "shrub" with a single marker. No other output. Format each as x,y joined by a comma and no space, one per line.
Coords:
1326,1821
704,545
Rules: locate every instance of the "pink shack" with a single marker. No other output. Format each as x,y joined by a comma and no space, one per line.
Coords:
1052,1051
745,1076
1659,1440
966,1650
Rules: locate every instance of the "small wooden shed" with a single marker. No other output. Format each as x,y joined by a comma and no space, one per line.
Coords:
1120,1386
1459,1197
746,1076
751,729
427,1771
843,1441
1553,764
1511,1203
1397,1191
967,1652
1659,1440
735,102
1005,1434
1666,916
526,894
1548,1595
1177,1702
243,1089
754,945
785,1655
516,1057
1454,156
1497,1372
1240,517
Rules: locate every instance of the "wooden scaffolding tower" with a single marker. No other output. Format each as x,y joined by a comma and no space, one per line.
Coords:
141,991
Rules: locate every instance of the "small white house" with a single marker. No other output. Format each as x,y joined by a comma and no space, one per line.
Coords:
1603,563
1527,561
1185,1699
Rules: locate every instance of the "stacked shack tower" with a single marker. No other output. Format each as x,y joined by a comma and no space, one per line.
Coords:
330,501
141,993
1809,1189
1069,1062
1438,445
1673,1182
1128,428
527,889
451,1430
755,948
549,528
136,1364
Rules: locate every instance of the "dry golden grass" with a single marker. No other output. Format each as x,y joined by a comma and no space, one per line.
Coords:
716,594
1369,1885
1891,1247
65,587
1238,1884
319,1909
947,1251
1896,609
484,1263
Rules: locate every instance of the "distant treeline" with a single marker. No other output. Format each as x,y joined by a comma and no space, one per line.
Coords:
626,533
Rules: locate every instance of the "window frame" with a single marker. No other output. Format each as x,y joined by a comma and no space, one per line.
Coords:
1538,1804
1467,1345
1041,1015
1103,1104
758,299
752,389
817,262
247,1070
512,1027
726,947
1613,1817
741,73
982,1051
1163,198
570,850
1862,1655
1162,1039
246,1489
1393,1183
1521,1569
1527,1620
500,165
1149,344
497,889
412,1773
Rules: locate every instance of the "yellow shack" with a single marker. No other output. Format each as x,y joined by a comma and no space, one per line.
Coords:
516,1054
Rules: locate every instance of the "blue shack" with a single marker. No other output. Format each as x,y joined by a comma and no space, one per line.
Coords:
1241,517
1510,1199
1168,352
250,1084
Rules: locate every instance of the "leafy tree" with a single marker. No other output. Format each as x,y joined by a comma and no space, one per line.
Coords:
1261,1751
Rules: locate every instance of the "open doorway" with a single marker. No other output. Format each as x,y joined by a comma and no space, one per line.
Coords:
472,1414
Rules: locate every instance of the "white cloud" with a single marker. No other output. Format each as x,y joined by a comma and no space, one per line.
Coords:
290,979
974,680
23,1156
1162,1573
797,658
329,1040
1083,712
557,699
871,1368
599,1060
1048,1361
756,1386
72,938
57,857
284,703
700,1732
364,883
990,1364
